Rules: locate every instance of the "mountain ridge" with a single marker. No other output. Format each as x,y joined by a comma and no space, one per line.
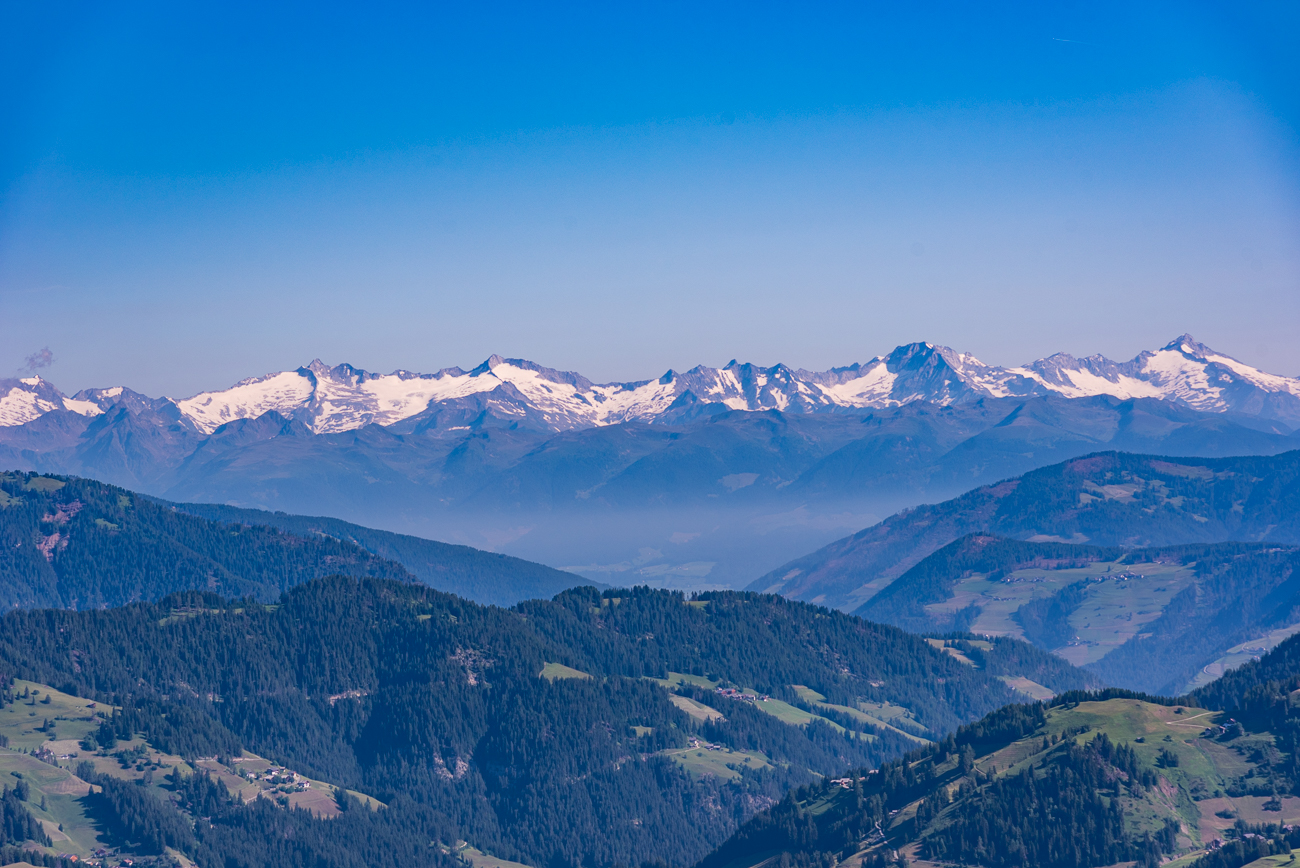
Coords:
713,502
1088,779
343,398
76,543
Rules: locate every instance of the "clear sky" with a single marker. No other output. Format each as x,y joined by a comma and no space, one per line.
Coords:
195,193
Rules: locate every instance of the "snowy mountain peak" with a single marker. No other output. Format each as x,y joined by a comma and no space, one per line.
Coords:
491,362
324,399
1188,346
27,399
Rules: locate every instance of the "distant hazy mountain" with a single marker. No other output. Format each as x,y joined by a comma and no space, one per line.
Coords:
1107,499
486,578
78,544
712,477
342,398
1161,620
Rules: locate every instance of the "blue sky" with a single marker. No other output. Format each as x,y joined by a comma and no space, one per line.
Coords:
192,196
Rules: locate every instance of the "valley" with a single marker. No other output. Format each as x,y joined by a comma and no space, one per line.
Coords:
699,480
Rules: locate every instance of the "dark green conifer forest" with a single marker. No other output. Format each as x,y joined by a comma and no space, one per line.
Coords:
435,706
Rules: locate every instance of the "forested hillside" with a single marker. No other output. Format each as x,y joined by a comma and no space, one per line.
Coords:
1107,499
627,726
1088,779
79,544
76,543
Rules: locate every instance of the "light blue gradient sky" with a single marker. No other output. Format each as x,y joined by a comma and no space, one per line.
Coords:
191,197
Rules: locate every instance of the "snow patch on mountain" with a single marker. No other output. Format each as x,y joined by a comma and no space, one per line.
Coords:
30,398
341,398
284,393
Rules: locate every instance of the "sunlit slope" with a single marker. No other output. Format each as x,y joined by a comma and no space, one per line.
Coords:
1084,780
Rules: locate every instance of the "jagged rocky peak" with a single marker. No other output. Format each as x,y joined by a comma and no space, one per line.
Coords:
1189,345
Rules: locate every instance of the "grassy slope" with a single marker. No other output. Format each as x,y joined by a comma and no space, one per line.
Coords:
65,795
1192,794
552,671
1146,619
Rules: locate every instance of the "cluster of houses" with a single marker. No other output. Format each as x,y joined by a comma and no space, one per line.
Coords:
1125,576
847,783
1219,842
1228,730
733,693
696,743
103,857
45,755
97,858
277,776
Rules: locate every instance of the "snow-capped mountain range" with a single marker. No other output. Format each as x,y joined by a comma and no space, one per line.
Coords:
332,399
